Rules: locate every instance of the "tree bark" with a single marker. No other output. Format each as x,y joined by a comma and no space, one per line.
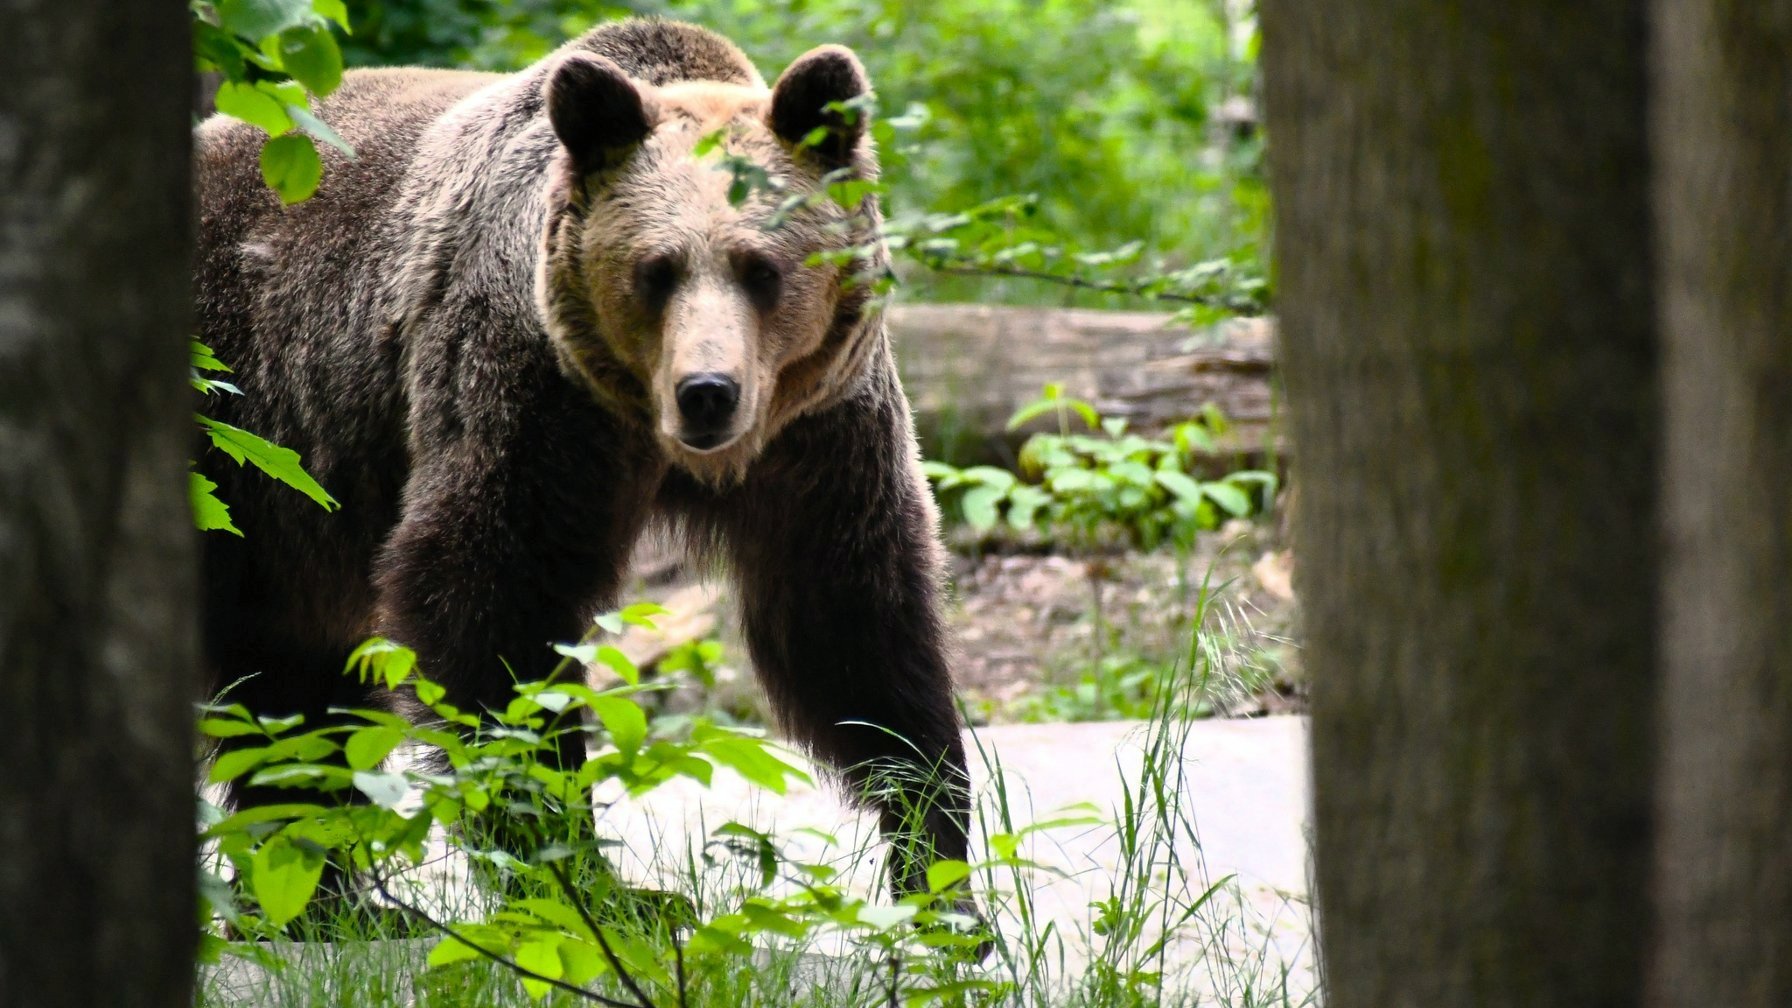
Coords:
97,569
1469,341
1725,211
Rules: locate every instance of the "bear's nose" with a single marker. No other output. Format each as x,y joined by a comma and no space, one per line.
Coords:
706,401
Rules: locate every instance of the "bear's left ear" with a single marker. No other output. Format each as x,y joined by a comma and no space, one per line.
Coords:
819,78
598,113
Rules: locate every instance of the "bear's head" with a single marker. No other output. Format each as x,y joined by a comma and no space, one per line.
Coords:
696,273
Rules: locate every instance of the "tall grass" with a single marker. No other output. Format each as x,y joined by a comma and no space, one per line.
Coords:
1157,928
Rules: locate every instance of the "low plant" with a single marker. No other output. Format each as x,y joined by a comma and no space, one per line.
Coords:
560,925
1104,487
555,913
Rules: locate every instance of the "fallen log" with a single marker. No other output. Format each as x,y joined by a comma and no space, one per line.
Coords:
967,368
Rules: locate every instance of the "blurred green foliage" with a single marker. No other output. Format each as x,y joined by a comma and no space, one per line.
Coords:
1118,117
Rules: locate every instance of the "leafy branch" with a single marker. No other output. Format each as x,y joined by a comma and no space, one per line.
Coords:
423,916
273,57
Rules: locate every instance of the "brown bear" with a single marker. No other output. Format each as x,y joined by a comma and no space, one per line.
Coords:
525,323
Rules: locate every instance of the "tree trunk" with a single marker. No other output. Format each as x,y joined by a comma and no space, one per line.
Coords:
97,568
1469,341
1725,212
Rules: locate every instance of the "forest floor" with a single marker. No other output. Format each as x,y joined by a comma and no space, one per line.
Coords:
1043,634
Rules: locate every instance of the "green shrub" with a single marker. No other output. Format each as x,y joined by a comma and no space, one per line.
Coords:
1106,487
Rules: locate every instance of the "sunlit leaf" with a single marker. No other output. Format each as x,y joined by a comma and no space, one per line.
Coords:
383,789
979,505
257,19
253,105
368,747
283,874
290,166
942,875
309,53
209,513
280,463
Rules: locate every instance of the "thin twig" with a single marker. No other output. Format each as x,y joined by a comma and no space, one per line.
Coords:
603,944
895,975
379,885
678,967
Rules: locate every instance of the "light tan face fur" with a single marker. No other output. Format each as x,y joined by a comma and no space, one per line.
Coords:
681,284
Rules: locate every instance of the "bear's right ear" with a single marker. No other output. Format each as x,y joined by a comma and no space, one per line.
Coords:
806,99
598,113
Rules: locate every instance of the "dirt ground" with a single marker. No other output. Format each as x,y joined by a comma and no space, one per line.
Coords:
1029,621
1033,645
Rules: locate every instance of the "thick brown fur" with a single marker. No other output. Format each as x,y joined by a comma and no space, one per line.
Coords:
455,335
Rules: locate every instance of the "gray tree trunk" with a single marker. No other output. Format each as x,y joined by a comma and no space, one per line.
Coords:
97,568
1724,872
1469,340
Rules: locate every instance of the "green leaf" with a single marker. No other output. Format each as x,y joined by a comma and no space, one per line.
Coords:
257,19
1179,484
623,719
319,129
747,756
202,358
334,10
1136,473
540,955
216,49
1036,408
280,463
1071,480
393,663
883,918
1232,500
253,105
942,875
308,52
233,764
708,144
291,167
1086,411
453,950
641,614
226,728
283,875
368,747
241,821
990,476
383,789
938,471
979,506
619,663
556,913
209,513
1024,503
581,961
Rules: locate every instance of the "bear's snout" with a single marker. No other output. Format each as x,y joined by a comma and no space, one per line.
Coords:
706,404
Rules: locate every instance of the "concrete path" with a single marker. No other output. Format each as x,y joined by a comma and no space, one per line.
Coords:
1236,815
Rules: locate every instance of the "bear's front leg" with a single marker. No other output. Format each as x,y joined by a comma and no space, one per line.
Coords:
503,550
834,540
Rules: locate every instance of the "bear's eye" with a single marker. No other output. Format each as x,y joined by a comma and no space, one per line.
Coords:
763,280
655,277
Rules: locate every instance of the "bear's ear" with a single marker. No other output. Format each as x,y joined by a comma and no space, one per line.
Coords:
819,78
598,113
